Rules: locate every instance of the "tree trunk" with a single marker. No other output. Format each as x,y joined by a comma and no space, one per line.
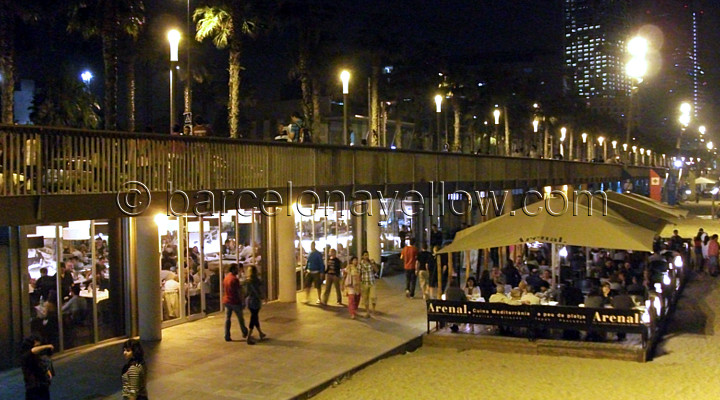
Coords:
110,60
315,127
305,82
7,65
374,103
456,141
131,90
397,138
234,91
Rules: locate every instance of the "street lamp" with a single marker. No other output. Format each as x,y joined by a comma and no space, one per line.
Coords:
496,114
438,111
86,77
701,129
614,145
635,68
535,125
684,119
345,78
563,131
601,140
174,39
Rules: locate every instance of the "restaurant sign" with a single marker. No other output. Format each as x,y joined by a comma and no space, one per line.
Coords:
536,316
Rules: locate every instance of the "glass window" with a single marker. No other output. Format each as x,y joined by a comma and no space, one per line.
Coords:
170,259
42,262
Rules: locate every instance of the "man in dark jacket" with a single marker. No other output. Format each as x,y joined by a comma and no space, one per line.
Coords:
512,275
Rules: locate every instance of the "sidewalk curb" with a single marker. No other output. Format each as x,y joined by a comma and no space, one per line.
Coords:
408,346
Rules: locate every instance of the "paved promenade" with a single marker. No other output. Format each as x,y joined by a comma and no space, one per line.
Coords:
307,348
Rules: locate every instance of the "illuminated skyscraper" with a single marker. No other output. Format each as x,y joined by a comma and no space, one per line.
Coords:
595,33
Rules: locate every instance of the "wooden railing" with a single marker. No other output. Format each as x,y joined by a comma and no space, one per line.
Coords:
50,161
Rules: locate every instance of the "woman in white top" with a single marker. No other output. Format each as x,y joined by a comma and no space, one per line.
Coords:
471,290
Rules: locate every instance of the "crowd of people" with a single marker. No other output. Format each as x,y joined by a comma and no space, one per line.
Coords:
355,278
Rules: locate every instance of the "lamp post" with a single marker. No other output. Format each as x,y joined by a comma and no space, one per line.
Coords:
496,114
684,119
174,39
642,156
438,111
563,131
614,145
584,146
188,83
635,69
345,78
634,155
601,140
651,161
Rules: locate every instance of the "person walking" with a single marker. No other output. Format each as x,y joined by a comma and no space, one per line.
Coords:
37,368
134,372
368,268
233,301
351,282
254,302
409,256
713,250
332,278
425,262
313,273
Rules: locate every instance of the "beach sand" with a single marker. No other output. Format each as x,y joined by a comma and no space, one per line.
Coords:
685,367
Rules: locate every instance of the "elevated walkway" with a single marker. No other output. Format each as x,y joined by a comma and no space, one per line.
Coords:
44,170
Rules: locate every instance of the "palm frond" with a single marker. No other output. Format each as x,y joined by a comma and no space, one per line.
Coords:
214,22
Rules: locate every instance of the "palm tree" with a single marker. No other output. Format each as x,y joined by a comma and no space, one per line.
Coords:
64,101
226,24
11,12
108,19
312,21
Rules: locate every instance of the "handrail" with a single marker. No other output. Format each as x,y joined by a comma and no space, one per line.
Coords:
49,160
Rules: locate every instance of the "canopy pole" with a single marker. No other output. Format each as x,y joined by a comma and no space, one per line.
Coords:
438,263
554,258
467,264
588,261
450,268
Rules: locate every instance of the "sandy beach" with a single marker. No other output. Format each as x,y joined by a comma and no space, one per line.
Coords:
685,367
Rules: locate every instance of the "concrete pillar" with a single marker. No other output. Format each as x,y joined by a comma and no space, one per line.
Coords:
147,267
285,235
358,235
373,231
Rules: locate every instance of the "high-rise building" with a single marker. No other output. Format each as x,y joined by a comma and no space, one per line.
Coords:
595,33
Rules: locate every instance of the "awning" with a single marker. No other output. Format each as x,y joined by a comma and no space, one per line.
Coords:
704,181
536,223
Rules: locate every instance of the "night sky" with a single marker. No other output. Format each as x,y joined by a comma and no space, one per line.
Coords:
453,28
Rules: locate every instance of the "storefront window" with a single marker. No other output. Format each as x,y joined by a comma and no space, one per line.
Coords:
211,271
42,264
397,227
85,305
170,260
